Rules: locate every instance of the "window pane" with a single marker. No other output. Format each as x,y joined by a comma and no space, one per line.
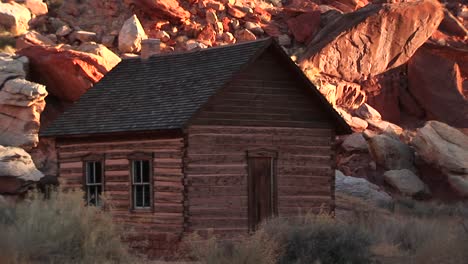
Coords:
146,171
147,195
137,171
98,172
98,195
89,172
138,195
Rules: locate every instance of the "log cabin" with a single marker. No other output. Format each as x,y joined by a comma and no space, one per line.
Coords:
216,139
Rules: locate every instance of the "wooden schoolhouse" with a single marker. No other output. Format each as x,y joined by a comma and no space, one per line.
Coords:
216,139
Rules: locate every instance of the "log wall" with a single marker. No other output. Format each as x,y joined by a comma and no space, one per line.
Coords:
216,172
151,231
267,105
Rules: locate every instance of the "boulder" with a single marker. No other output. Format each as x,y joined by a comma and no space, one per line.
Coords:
17,170
356,123
355,142
66,73
12,67
436,77
390,153
14,18
21,104
37,7
405,181
446,149
32,38
169,9
384,126
245,35
108,57
373,39
131,35
83,36
360,188
304,26
367,112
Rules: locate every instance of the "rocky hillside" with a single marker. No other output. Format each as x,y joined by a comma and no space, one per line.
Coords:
387,67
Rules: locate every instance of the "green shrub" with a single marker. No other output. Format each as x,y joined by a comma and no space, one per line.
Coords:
60,229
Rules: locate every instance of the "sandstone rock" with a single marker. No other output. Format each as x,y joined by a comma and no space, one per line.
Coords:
245,35
207,36
355,142
37,7
32,38
373,39
254,28
21,104
108,57
228,38
131,35
435,80
17,170
391,153
446,149
83,36
304,26
63,31
66,73
236,11
163,36
108,41
192,44
360,188
14,18
211,17
12,67
367,112
356,123
162,8
405,181
384,126
340,93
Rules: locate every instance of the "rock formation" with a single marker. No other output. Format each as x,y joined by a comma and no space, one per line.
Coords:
373,39
66,73
21,104
17,170
14,18
446,149
131,35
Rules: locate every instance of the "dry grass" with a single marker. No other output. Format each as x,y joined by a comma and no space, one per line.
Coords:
60,229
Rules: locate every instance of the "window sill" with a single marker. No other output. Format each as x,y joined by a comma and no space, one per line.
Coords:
142,210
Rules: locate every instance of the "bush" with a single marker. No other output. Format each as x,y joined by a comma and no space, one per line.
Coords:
60,229
256,249
310,239
320,239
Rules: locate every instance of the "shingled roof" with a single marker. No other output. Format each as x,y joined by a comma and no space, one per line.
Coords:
160,93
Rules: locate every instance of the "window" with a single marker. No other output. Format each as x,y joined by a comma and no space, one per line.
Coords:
94,180
141,184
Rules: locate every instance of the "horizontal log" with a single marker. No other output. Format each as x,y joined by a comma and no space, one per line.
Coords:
307,190
118,142
305,170
214,191
217,212
71,165
217,180
213,129
233,201
262,122
260,139
303,180
145,145
216,169
238,149
212,222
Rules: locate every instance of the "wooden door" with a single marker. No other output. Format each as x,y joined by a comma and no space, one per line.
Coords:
262,190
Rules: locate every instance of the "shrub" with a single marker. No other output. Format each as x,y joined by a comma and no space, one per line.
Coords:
60,229
256,249
320,239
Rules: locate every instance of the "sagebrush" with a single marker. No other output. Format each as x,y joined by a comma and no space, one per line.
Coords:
59,229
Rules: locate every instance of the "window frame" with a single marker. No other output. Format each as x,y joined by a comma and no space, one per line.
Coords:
141,156
85,160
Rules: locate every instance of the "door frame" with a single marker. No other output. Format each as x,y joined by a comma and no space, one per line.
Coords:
261,153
